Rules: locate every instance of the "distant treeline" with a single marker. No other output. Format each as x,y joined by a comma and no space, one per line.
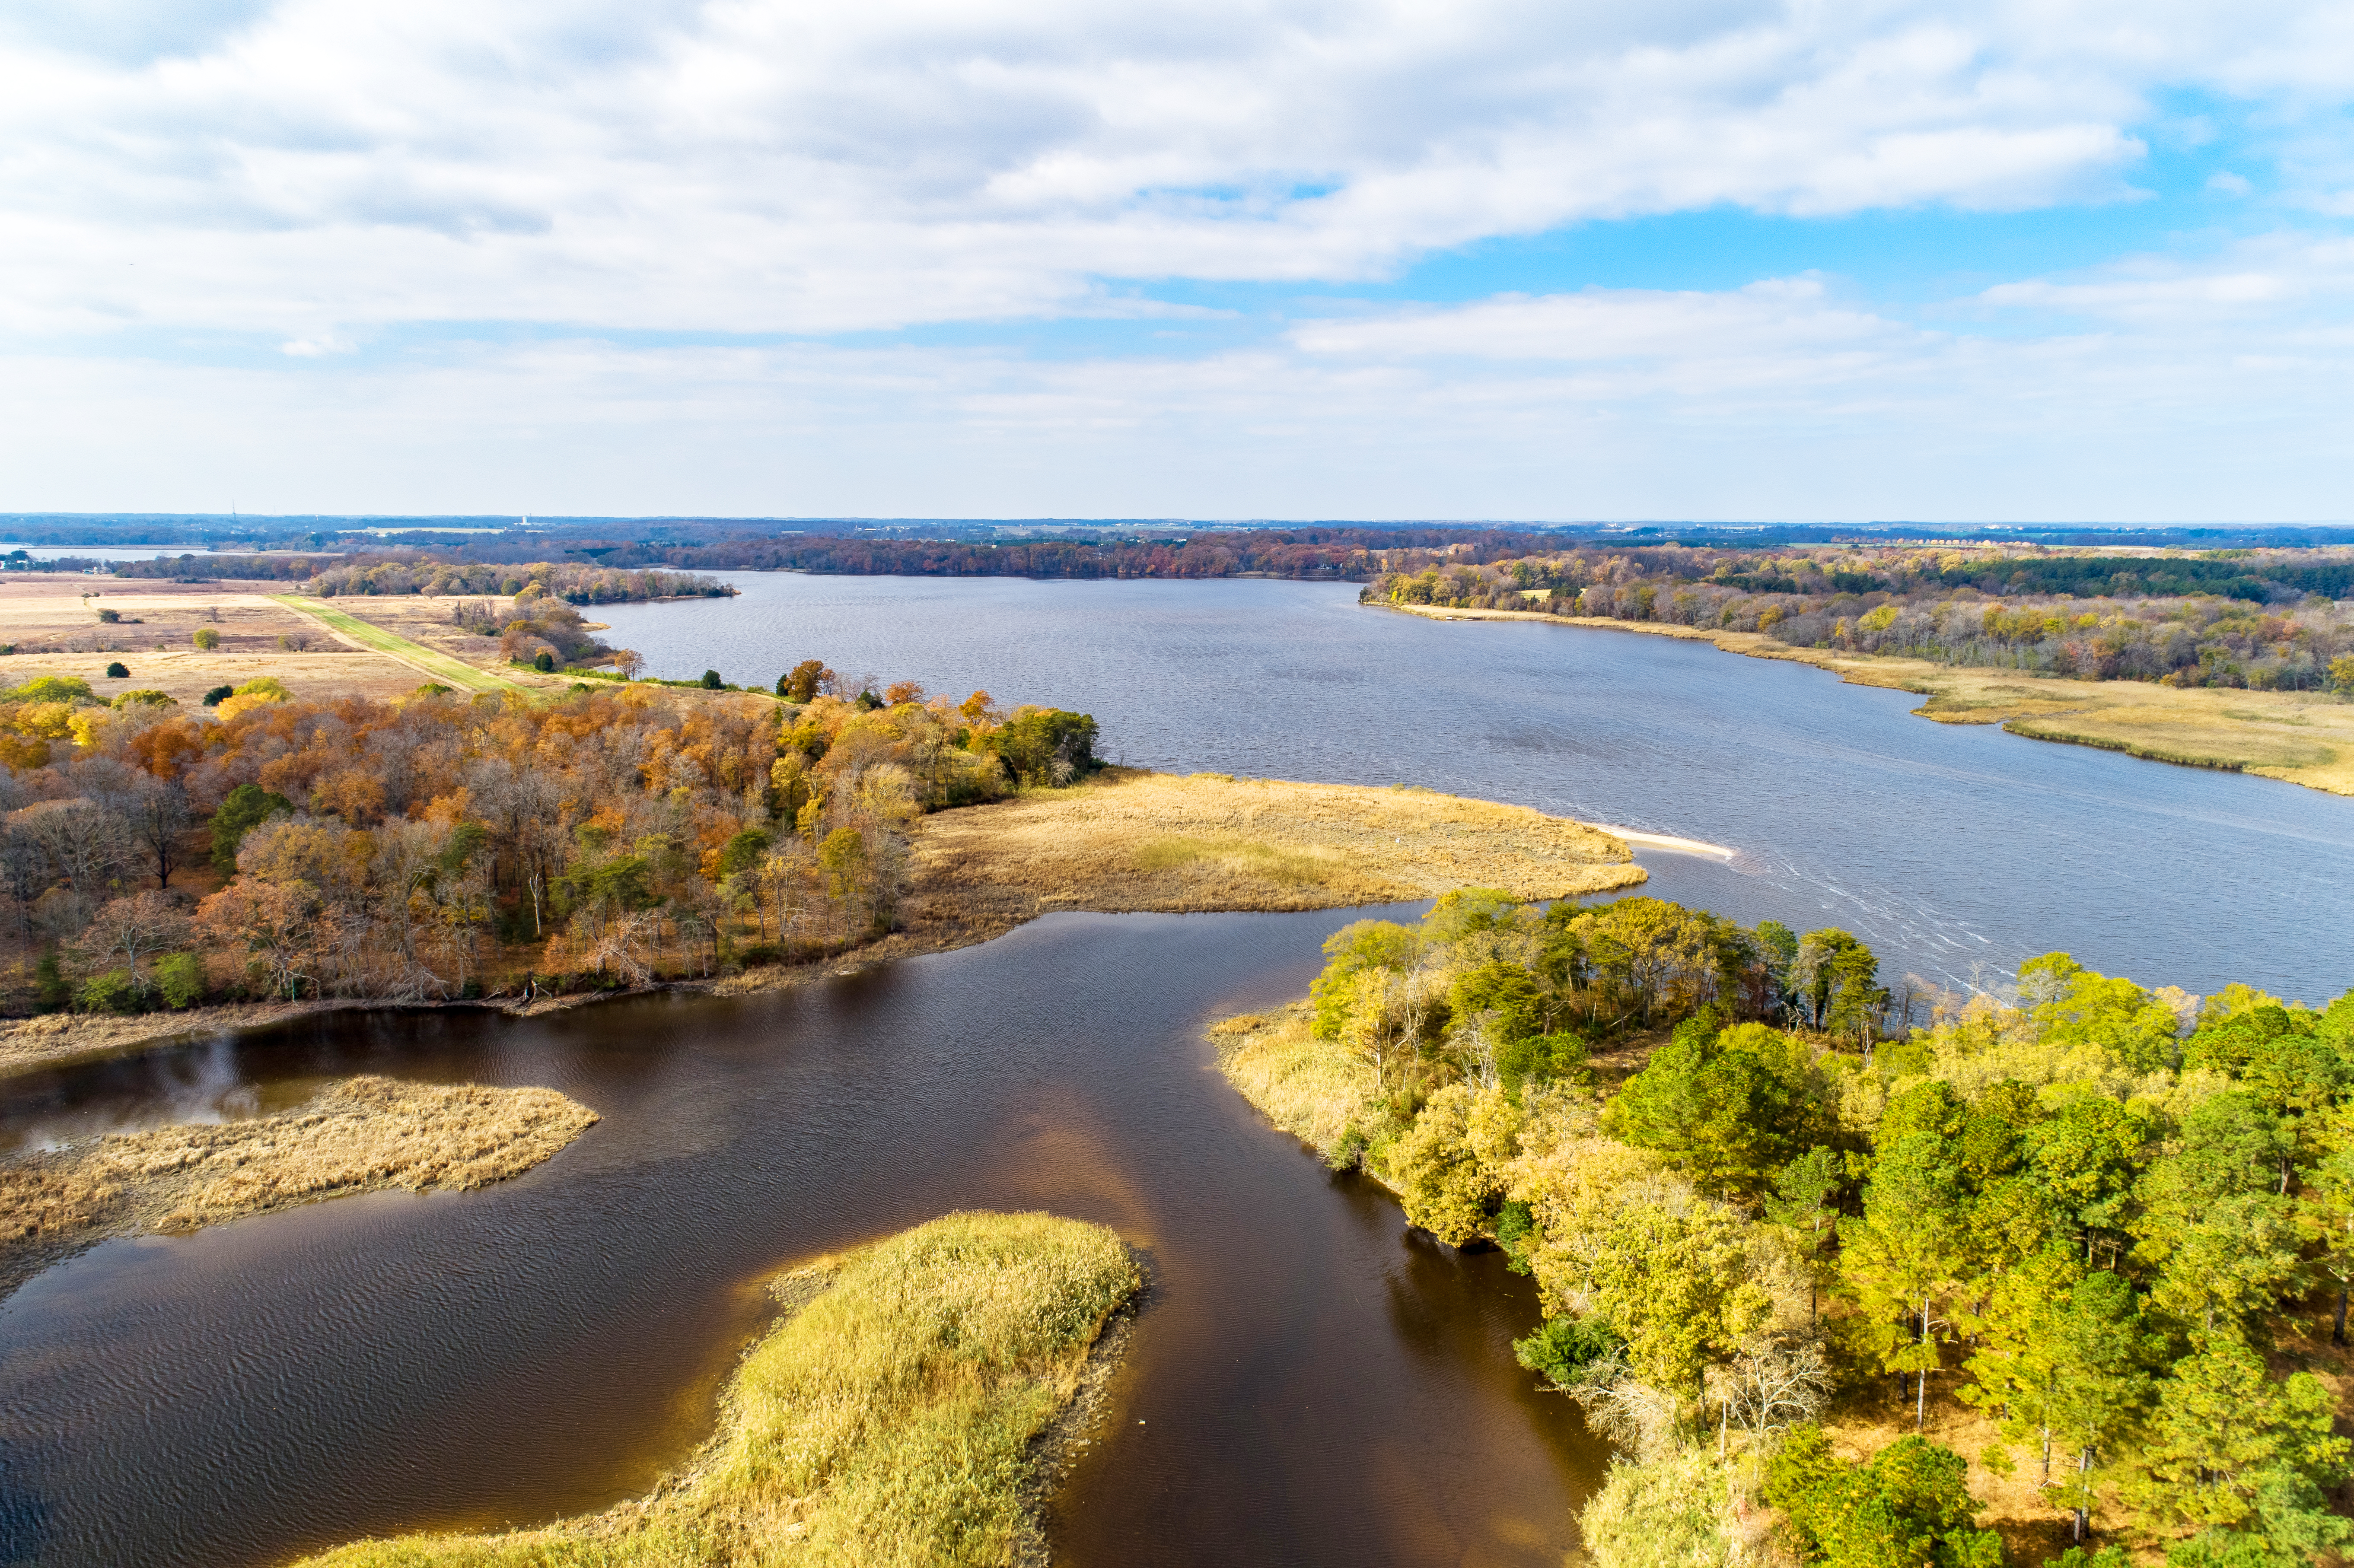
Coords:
1353,554
2261,618
419,572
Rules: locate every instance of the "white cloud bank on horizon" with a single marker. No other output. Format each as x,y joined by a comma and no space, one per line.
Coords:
1775,400
192,191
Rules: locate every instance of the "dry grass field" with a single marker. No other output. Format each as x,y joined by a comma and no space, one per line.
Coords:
51,620
892,1420
2305,737
1130,841
359,1135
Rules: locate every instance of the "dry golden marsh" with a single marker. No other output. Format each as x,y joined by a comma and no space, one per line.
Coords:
359,1135
1132,842
888,1422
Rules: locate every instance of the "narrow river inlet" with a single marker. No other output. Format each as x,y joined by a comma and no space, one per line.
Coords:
1309,1385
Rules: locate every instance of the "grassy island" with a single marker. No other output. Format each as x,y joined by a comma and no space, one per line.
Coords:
362,1135
890,1421
1854,1273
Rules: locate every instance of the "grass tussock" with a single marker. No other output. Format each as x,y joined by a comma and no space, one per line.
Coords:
1311,1088
887,1423
359,1136
1131,841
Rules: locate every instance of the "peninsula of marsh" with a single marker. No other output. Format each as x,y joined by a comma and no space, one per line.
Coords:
894,1415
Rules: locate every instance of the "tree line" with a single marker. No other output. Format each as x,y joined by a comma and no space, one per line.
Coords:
2110,1225
2266,620
437,847
398,572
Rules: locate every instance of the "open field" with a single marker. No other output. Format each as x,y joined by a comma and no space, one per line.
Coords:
57,611
892,1420
1131,841
431,663
51,620
2305,737
359,1135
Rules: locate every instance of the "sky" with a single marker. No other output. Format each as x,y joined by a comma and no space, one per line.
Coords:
1688,259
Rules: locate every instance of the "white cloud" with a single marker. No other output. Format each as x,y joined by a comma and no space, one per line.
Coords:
1779,316
1777,399
302,168
310,182
2293,284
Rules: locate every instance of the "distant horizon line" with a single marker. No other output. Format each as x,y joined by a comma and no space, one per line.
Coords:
539,521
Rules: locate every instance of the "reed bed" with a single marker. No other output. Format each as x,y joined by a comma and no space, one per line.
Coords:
1311,1088
356,1136
887,1422
1131,841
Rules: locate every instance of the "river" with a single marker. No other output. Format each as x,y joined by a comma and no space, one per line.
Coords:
1954,850
1311,1383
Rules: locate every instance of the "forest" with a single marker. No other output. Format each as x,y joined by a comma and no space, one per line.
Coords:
435,847
427,572
2263,620
1816,1250
1314,552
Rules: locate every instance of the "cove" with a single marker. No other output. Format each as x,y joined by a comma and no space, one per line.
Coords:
1310,1382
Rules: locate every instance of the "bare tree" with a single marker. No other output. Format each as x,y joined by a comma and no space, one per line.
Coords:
89,845
279,925
522,809
624,944
788,885
24,875
1628,1413
133,929
157,811
1772,1384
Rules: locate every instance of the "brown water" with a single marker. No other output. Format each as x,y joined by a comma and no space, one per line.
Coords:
1311,1383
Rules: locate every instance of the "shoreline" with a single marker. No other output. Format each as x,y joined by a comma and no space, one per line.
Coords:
2301,738
1638,839
361,1134
941,1324
1128,841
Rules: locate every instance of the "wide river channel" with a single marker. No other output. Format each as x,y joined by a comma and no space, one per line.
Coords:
1311,1383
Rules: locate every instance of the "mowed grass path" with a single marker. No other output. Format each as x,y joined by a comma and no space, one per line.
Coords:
440,666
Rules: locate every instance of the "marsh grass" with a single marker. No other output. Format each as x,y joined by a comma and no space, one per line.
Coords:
1132,842
886,1423
357,1136
1314,1089
1236,856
